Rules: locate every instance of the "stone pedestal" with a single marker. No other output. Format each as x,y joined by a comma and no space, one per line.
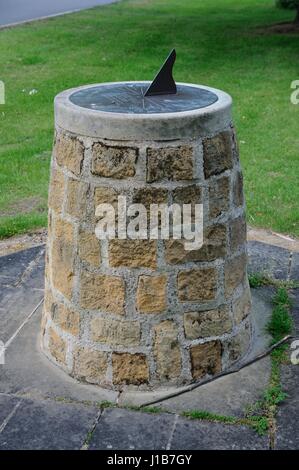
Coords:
145,313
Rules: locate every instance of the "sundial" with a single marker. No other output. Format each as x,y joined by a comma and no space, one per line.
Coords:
162,95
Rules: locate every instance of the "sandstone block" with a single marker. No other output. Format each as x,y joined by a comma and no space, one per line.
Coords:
69,152
169,163
206,359
90,365
237,233
197,284
56,191
115,332
234,273
238,195
133,253
219,196
102,292
130,369
57,346
66,318
151,294
63,257
242,306
214,247
167,350
218,155
214,322
89,248
77,193
113,162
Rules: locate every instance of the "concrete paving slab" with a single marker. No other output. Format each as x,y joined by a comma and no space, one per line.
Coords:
294,274
229,395
21,288
287,422
201,435
14,264
124,429
28,372
46,425
16,305
268,259
7,405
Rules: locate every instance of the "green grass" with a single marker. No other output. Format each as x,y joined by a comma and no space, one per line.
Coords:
281,323
260,280
218,43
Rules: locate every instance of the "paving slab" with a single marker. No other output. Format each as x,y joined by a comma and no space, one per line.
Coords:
287,422
121,429
294,274
22,290
7,405
28,372
14,264
193,434
46,425
268,259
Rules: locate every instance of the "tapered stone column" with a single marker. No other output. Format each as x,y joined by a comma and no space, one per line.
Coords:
145,313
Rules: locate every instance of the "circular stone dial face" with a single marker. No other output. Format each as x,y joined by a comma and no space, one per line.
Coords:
128,98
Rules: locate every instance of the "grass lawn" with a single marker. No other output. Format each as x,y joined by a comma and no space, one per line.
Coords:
219,43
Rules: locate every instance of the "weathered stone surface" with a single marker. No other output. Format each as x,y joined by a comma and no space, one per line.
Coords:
102,292
63,257
167,350
238,345
113,162
238,195
77,193
214,247
57,346
206,359
234,273
191,194
69,152
169,163
197,284
105,195
133,253
219,196
218,155
241,306
89,248
214,322
115,332
148,195
151,294
67,319
90,365
129,369
56,191
237,233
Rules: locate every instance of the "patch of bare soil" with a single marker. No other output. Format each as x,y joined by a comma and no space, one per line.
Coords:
23,206
273,238
22,242
280,28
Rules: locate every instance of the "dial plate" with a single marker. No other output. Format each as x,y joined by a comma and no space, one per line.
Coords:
128,98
